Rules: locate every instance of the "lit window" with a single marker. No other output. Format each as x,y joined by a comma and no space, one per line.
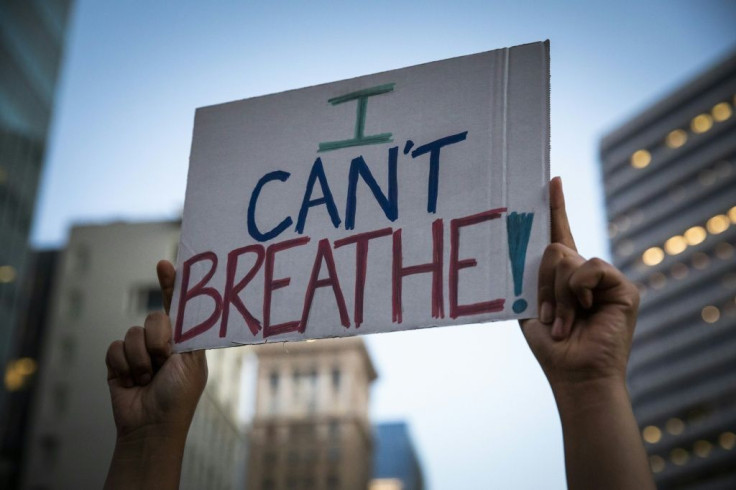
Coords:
657,280
675,426
641,158
701,123
724,250
676,138
657,463
675,245
718,224
695,235
700,260
721,111
710,314
707,177
652,256
7,274
14,381
679,456
727,440
679,271
702,448
652,434
732,214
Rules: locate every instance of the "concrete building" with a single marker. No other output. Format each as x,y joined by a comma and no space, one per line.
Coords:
670,187
395,462
31,44
311,428
105,283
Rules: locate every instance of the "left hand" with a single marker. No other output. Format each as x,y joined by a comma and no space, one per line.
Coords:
151,388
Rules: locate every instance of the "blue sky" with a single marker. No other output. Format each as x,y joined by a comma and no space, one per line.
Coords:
478,406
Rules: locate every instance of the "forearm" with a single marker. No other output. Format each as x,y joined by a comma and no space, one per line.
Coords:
148,459
603,449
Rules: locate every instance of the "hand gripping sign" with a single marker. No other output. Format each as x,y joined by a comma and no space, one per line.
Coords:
401,200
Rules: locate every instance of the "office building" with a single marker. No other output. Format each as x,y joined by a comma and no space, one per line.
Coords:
670,189
311,428
31,43
106,282
395,462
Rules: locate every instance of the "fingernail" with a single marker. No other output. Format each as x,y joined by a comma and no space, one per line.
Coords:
145,378
557,328
587,298
546,315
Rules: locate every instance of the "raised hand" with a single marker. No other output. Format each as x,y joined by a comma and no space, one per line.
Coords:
582,339
154,394
587,310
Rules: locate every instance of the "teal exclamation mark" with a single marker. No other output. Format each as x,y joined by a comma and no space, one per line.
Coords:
519,227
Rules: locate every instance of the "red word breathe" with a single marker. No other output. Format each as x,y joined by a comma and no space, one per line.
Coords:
265,257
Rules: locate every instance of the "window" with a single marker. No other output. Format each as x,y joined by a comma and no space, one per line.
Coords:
146,299
61,399
336,379
75,304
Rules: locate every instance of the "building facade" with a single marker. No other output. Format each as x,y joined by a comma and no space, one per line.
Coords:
311,428
670,188
395,462
31,42
105,283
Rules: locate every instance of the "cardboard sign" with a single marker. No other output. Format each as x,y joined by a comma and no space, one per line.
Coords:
401,200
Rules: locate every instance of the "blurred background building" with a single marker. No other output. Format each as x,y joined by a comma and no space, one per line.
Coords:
670,190
311,428
32,38
395,462
105,282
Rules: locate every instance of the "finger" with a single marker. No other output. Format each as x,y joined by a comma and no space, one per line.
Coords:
596,278
166,276
157,329
565,298
137,356
553,254
117,364
560,225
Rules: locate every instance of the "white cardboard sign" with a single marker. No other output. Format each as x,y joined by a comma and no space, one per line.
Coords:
400,200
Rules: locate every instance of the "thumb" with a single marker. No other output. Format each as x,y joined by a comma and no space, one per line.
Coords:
560,225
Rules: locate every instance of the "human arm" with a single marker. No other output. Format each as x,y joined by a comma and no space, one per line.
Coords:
154,394
582,339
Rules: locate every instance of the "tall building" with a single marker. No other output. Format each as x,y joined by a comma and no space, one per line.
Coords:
31,42
395,462
670,188
21,372
106,282
311,428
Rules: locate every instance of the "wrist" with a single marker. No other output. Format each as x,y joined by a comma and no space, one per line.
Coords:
170,435
148,457
590,394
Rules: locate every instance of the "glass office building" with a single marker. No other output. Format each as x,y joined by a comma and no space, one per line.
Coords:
670,188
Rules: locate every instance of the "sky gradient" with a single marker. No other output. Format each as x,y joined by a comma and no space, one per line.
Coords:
477,403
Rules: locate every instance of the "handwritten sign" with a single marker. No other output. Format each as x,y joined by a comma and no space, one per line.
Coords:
405,199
